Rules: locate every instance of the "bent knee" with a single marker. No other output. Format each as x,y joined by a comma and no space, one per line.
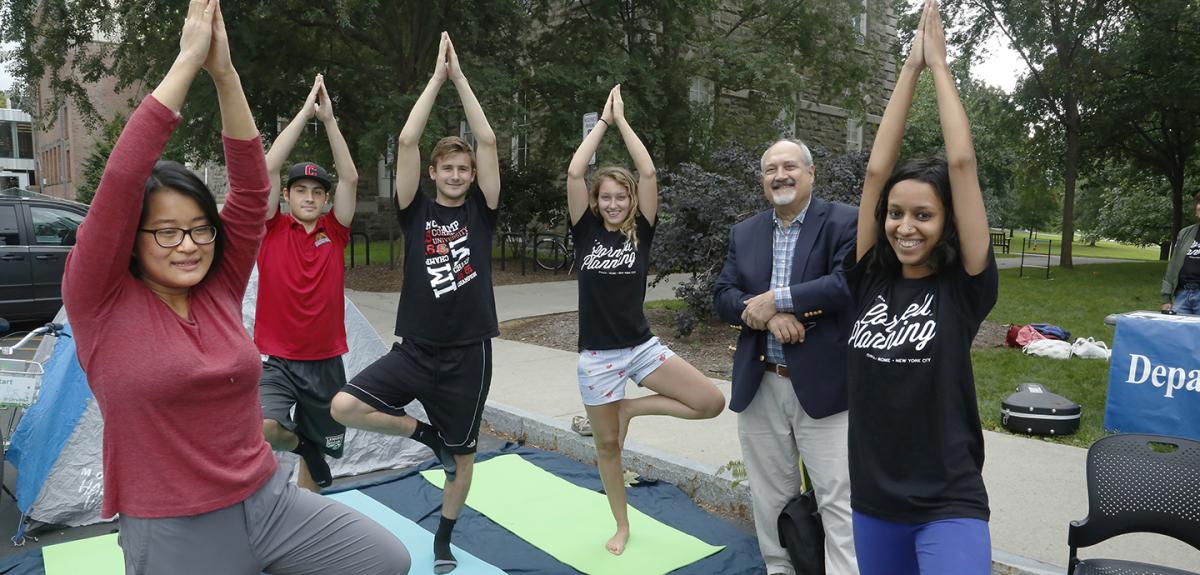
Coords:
713,405
273,431
346,408
391,555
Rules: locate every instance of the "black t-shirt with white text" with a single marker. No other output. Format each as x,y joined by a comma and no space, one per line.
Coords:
612,283
916,445
1190,272
447,297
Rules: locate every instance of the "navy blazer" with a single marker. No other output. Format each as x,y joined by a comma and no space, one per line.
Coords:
819,294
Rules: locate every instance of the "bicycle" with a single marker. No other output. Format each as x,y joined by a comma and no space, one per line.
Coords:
553,252
20,381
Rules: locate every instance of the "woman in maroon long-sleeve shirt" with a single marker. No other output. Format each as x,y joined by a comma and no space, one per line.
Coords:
159,334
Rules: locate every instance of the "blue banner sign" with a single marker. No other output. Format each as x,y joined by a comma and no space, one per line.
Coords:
1154,377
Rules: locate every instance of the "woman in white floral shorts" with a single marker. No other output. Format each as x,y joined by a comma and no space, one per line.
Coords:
612,223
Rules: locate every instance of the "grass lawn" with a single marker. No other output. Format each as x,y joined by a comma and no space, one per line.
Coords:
671,304
379,251
1102,249
1078,300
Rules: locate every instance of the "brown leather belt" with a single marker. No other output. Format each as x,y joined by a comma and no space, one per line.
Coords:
780,370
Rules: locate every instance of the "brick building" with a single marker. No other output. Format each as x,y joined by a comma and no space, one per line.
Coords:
62,140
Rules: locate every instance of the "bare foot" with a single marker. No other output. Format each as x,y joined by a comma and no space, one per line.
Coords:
616,545
623,417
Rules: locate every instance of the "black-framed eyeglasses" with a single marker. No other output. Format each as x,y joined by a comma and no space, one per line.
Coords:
171,237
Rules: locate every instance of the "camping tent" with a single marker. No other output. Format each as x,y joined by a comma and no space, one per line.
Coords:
57,445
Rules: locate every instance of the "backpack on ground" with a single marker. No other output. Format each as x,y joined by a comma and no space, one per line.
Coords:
801,532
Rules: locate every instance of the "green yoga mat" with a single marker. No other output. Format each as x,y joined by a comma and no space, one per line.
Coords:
95,556
571,523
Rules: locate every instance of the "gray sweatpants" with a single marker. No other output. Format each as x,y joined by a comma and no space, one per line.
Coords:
279,529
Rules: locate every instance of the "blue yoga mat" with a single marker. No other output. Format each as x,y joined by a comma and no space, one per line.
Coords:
416,538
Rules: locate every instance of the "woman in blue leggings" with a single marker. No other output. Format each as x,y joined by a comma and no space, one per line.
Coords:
923,278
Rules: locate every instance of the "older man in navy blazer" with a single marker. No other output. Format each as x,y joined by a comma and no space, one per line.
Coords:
783,284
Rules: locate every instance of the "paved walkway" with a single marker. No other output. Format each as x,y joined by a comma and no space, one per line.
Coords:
1036,488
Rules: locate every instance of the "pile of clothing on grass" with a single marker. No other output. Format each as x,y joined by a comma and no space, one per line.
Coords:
1049,340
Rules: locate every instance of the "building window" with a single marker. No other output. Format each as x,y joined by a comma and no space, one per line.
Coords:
860,25
25,140
701,92
520,146
464,132
7,149
854,135
520,138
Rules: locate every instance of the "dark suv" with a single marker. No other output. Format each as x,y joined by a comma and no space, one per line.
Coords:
36,232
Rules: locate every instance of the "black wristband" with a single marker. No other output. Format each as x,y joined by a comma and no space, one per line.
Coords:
602,120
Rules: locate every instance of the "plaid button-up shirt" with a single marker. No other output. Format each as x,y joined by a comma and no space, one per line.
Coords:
783,246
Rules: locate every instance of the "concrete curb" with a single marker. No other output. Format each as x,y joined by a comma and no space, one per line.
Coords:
700,481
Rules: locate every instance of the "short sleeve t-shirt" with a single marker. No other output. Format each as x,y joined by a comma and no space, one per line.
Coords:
447,296
1190,272
916,445
300,310
612,283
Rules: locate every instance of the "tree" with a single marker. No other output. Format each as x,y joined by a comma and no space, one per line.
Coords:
93,165
679,62
375,57
532,197
997,127
3,99
697,208
1035,201
1125,203
1059,42
1149,112
18,97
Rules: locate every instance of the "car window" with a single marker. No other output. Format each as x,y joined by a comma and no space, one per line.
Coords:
10,235
54,226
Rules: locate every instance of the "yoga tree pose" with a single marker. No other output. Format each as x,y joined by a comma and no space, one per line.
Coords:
612,223
174,372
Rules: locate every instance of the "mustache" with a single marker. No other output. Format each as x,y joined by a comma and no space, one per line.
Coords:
775,185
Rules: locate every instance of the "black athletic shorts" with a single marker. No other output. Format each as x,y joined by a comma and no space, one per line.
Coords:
451,382
308,387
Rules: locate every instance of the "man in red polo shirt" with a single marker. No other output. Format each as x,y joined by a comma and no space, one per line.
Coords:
299,322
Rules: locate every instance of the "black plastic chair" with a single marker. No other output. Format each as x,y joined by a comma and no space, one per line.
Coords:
1138,483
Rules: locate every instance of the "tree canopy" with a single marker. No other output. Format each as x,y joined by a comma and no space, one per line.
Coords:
536,65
